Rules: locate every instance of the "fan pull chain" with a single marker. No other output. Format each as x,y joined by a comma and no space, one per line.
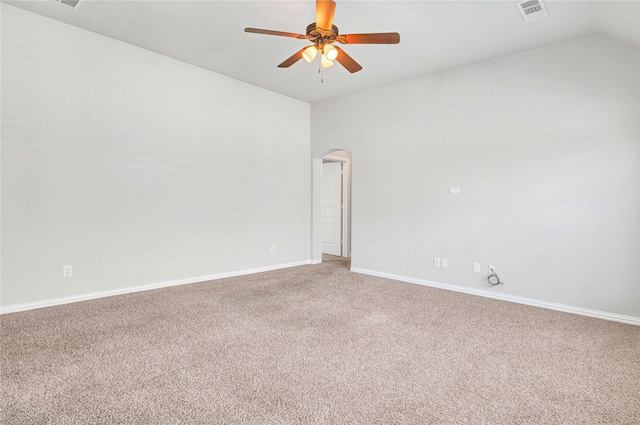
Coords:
321,72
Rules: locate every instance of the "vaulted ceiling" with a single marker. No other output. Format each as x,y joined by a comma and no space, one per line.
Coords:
435,35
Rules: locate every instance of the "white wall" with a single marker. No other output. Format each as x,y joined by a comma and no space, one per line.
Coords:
544,147
137,169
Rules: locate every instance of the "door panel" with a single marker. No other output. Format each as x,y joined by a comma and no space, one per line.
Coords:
331,208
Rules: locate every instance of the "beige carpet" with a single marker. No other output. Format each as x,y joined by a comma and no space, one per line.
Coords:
315,345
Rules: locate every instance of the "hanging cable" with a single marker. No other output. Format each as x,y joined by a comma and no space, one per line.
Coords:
493,280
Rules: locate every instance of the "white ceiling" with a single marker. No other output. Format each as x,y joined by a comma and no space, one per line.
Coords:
435,35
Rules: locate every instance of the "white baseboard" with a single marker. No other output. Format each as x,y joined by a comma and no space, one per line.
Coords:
94,295
316,261
632,320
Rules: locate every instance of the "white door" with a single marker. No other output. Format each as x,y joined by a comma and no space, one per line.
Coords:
331,208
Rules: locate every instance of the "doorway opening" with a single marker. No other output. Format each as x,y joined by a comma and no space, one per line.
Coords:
331,205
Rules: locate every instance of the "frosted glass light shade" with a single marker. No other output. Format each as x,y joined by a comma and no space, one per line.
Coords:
309,54
326,63
330,52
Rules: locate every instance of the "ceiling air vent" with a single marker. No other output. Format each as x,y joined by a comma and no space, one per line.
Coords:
74,4
532,10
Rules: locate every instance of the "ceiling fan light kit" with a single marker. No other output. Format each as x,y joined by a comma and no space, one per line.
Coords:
322,34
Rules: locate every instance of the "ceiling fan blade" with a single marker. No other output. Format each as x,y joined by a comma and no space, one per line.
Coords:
325,10
293,59
347,61
270,32
373,38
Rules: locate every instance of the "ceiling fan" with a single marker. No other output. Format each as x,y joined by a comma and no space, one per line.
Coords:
322,33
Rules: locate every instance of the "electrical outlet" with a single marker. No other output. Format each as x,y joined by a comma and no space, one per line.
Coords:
445,263
273,249
476,267
67,271
436,261
492,269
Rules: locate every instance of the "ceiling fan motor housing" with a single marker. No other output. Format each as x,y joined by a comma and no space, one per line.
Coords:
321,35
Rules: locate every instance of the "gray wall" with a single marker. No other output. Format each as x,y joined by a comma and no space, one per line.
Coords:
544,147
138,169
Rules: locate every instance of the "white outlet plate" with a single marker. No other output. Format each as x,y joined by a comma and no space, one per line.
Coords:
454,190
67,271
445,263
476,267
273,249
436,261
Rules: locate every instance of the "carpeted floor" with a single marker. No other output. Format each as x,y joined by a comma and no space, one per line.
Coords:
315,345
